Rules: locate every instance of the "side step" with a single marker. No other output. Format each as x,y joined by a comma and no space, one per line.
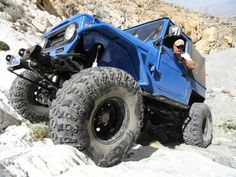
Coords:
165,100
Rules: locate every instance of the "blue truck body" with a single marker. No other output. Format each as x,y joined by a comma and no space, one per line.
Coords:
154,67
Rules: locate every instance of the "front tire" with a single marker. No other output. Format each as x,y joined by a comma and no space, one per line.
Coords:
23,98
99,111
197,129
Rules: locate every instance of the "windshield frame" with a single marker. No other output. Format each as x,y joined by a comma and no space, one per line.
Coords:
148,31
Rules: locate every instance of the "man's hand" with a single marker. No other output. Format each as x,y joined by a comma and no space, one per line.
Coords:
186,59
178,55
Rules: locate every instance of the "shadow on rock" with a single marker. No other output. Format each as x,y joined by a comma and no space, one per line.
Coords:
149,142
140,152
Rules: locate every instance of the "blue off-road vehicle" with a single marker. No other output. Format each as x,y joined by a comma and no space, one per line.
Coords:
99,86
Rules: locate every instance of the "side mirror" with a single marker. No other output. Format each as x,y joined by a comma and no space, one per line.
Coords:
174,31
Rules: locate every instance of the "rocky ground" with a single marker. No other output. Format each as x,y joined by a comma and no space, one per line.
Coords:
25,149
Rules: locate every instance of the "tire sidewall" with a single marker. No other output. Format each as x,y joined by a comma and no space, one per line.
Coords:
206,116
193,133
23,99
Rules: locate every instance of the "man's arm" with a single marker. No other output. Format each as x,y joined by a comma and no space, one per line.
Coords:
189,63
186,59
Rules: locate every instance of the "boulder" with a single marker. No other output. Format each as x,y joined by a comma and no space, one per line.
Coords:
234,44
164,162
210,34
46,5
41,23
4,172
203,46
45,161
14,10
191,27
16,139
5,16
7,119
7,116
221,153
228,40
4,46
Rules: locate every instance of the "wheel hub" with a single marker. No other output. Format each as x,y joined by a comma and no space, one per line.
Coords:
42,96
104,118
108,118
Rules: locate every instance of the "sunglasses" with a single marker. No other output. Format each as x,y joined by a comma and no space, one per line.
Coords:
180,47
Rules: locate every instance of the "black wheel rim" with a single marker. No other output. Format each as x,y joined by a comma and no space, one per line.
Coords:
108,119
41,96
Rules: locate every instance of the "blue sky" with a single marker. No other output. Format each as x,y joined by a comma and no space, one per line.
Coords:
219,8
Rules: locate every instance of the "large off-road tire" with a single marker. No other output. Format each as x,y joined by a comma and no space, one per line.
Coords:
23,98
100,112
197,129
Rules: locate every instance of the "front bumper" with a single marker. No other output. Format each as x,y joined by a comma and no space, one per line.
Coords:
29,58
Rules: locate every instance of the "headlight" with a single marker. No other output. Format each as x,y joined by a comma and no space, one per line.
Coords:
12,60
43,42
70,31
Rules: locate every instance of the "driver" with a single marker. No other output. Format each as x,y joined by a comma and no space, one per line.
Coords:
181,56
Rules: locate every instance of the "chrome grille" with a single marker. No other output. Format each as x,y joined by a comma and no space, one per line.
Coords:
55,39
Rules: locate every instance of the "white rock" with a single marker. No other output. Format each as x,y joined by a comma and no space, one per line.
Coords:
8,116
46,161
221,154
16,136
234,44
41,23
6,119
5,16
162,162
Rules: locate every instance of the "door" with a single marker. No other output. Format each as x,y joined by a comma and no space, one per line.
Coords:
172,80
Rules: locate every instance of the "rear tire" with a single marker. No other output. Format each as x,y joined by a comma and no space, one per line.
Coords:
99,111
22,98
197,128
